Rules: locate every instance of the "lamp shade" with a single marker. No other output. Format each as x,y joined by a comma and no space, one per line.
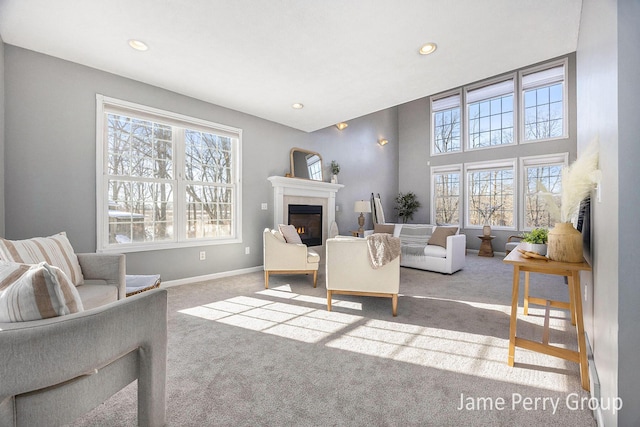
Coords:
362,206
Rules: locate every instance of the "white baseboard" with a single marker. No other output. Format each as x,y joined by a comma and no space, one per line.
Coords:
196,279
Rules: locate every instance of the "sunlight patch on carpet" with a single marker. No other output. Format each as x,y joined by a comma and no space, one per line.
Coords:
467,353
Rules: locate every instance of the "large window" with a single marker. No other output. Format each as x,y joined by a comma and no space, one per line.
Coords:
542,181
446,124
164,180
490,198
490,115
446,182
543,97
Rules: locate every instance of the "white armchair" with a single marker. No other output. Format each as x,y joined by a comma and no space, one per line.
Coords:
349,272
281,257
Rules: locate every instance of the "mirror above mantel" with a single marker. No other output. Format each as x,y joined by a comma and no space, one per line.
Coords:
306,164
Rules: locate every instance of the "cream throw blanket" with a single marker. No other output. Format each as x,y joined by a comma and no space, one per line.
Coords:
383,248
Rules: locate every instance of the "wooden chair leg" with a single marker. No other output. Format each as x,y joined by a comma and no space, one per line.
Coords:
266,279
394,305
526,293
328,300
315,278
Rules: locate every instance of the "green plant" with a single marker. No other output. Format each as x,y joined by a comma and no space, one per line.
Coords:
536,236
335,168
406,205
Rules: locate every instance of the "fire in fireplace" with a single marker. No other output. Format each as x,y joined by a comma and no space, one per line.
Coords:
307,219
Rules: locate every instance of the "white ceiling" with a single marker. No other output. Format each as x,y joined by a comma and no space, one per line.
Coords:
341,58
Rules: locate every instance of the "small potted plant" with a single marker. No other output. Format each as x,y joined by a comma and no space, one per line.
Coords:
536,241
335,170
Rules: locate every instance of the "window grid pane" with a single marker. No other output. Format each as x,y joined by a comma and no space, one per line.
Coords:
490,122
544,112
446,130
447,198
491,197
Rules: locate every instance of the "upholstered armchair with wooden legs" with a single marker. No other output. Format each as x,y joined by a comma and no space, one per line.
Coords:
281,257
349,272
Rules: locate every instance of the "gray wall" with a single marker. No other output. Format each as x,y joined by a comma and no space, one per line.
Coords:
414,173
1,138
365,166
608,63
50,159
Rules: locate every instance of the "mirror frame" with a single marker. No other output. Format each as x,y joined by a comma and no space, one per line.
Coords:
304,174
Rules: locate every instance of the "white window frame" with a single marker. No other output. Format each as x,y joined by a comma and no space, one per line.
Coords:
486,83
480,166
434,100
565,96
106,104
557,159
438,170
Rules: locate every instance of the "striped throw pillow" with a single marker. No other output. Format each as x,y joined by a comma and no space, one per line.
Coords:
55,250
32,292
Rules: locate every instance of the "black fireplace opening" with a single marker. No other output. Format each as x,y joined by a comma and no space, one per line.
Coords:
307,219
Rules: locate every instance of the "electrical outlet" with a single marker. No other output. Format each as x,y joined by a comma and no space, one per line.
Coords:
247,250
203,255
337,208
265,206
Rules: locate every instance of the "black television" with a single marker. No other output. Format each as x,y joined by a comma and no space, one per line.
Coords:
584,226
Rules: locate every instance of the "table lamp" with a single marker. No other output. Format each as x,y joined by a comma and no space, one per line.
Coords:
361,206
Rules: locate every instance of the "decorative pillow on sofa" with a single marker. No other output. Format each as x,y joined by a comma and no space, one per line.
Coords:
290,234
440,234
383,228
32,292
55,250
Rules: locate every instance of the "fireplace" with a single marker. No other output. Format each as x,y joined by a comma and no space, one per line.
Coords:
307,219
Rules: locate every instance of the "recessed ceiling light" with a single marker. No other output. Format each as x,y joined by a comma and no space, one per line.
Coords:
342,125
297,106
138,45
428,48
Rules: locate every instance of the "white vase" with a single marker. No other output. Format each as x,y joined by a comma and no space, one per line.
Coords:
334,179
539,248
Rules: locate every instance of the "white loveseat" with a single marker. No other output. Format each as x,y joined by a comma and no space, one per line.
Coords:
418,253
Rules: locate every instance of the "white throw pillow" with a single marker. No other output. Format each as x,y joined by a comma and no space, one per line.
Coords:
32,292
290,234
55,250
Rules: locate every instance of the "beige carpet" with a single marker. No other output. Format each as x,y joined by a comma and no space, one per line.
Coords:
240,355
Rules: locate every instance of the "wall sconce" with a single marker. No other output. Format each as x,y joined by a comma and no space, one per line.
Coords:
361,206
383,142
342,125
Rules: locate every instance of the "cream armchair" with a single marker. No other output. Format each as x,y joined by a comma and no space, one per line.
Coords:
349,272
281,257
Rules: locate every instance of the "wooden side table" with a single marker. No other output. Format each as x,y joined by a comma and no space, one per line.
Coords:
571,270
485,247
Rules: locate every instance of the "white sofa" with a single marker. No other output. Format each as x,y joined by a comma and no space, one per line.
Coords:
349,272
417,253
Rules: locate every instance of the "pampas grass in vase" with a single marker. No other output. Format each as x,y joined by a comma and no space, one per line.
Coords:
565,242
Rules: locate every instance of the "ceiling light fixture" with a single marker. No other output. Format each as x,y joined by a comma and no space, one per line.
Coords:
383,142
297,106
427,48
342,125
138,45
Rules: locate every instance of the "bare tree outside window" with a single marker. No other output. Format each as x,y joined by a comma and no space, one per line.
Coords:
447,198
447,130
543,112
491,197
142,181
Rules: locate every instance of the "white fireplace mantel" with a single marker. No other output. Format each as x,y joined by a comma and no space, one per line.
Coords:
296,187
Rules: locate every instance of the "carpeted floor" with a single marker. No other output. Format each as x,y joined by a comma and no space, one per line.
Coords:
240,355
